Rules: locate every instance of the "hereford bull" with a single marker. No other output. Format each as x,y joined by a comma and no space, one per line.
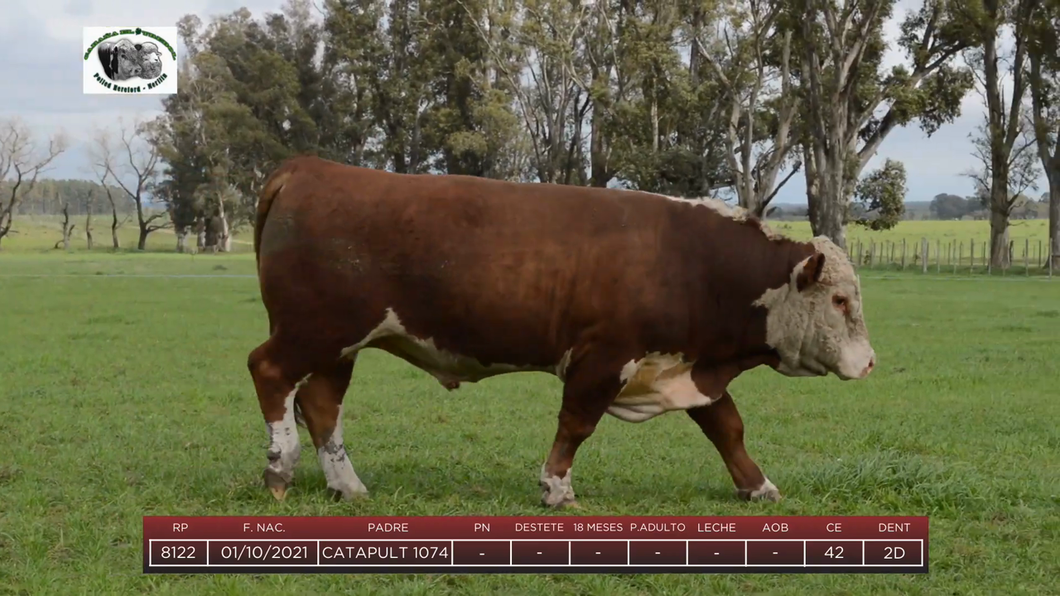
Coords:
641,304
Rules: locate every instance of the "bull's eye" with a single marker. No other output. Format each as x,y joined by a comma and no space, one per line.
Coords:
840,302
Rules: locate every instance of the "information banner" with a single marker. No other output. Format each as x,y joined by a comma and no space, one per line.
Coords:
764,544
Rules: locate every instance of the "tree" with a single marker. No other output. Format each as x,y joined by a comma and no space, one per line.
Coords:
101,158
840,46
755,73
90,200
22,160
132,163
1044,81
662,120
1020,175
881,195
540,65
947,206
1002,146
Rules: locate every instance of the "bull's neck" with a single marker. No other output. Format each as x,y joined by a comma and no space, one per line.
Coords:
768,266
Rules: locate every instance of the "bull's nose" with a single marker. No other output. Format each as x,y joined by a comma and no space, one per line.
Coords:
868,369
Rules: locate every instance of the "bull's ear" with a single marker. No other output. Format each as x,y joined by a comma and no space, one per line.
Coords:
811,271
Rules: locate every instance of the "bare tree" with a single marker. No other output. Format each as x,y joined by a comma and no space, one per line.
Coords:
89,204
68,228
1020,174
543,78
755,72
22,160
134,167
101,154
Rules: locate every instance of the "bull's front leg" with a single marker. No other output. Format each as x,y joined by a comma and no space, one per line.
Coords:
722,424
588,390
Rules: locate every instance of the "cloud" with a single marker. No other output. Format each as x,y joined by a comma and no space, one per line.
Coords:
78,8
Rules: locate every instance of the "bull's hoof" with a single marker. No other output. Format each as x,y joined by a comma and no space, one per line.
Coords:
559,501
766,492
349,493
276,483
556,492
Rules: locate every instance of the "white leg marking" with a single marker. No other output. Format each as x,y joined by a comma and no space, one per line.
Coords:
768,492
284,447
556,491
337,467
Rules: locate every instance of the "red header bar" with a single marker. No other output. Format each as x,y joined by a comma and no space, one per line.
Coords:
515,528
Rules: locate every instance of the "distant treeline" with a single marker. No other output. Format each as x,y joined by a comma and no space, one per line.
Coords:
49,196
944,206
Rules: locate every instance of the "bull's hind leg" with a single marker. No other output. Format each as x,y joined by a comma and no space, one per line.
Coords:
279,371
320,401
722,424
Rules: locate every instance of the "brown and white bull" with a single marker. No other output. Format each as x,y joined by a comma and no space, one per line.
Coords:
641,304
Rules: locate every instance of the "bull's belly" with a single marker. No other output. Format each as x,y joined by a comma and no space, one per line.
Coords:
447,367
656,384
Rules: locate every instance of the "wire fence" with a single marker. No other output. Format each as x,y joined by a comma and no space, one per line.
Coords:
952,256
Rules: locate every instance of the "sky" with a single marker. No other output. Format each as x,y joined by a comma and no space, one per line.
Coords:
43,39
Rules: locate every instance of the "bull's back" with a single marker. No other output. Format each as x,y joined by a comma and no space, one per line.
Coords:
456,256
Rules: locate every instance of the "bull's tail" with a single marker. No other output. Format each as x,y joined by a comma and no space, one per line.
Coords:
272,187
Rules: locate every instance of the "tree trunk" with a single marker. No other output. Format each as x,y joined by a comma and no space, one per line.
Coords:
141,244
999,223
828,215
1054,217
182,240
88,228
224,239
114,227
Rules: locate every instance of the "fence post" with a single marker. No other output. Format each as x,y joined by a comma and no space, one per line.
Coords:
960,256
903,254
1038,261
872,254
989,258
938,256
971,256
1026,249
924,253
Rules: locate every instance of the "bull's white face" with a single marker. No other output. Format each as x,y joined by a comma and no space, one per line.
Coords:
150,61
815,322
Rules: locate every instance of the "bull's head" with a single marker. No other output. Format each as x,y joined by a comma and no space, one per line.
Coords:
815,322
150,60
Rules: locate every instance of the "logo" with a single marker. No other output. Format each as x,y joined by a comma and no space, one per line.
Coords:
130,60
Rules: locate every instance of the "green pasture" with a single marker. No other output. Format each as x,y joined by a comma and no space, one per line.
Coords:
124,392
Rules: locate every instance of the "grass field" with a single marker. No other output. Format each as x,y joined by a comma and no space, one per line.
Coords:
124,392
39,234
